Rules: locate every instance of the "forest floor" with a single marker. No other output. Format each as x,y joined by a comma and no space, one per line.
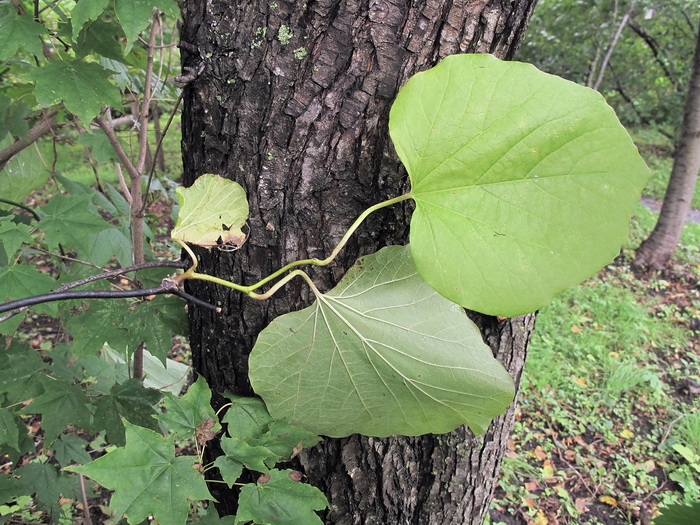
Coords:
608,424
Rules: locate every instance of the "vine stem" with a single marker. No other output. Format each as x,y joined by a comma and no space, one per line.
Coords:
279,284
249,290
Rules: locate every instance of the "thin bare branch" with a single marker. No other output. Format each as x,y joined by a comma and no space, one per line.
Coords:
105,275
38,130
114,141
122,182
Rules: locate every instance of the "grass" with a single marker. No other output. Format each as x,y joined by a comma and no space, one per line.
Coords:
604,432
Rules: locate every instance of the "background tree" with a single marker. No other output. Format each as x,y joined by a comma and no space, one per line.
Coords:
648,69
292,101
658,249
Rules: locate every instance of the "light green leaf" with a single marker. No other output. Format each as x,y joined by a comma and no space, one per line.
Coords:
280,501
524,183
23,174
130,400
19,31
20,281
185,414
212,212
9,433
107,244
282,438
229,468
382,353
171,377
86,11
81,86
147,478
69,448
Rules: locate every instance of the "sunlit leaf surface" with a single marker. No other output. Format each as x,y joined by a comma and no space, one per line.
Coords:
524,183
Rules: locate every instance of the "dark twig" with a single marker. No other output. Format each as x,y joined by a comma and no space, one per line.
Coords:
167,287
105,275
36,216
121,271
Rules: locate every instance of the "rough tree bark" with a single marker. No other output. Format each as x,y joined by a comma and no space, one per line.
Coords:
293,102
658,248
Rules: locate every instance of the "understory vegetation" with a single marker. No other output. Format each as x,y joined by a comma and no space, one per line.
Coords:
608,424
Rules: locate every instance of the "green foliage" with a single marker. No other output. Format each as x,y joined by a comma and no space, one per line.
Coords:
280,500
147,477
81,86
519,137
648,72
183,415
23,174
382,353
18,32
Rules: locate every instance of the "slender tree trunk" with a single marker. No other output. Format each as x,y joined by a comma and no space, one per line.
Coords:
293,102
658,249
611,46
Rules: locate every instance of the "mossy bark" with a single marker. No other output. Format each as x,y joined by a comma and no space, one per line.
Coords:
292,101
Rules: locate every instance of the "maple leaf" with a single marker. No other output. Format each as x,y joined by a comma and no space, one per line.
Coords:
184,415
280,500
81,86
18,31
147,478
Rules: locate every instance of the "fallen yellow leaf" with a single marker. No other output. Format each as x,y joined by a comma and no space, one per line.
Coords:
626,434
609,500
575,329
540,519
547,470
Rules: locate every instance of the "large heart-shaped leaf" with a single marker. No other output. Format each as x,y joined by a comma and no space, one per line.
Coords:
524,183
212,212
382,353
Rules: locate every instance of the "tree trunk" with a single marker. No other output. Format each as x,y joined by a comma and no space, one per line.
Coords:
658,249
293,103
611,47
